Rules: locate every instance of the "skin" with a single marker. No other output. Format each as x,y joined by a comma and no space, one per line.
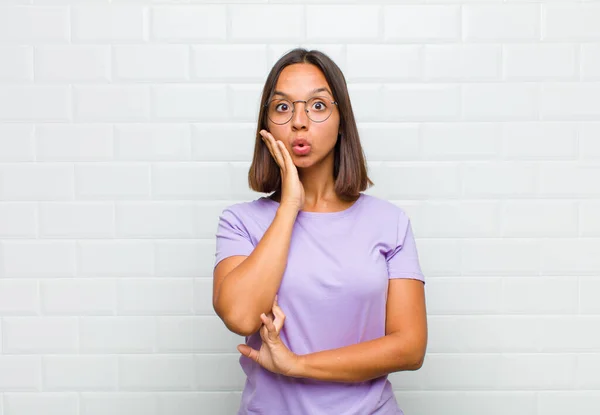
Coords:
308,184
315,170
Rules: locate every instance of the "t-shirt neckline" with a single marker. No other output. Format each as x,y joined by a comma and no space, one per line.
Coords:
327,215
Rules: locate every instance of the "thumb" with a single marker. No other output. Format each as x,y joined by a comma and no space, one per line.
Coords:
248,352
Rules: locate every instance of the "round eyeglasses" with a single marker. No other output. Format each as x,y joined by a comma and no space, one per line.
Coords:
318,109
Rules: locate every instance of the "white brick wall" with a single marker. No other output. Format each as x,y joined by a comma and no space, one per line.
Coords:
126,126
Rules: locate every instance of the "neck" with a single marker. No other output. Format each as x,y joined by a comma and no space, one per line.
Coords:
318,182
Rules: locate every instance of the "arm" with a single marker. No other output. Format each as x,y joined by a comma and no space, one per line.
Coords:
402,348
245,287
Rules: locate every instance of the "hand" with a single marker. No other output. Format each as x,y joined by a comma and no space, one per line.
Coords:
292,191
273,354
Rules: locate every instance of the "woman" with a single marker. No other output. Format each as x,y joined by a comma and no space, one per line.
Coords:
338,266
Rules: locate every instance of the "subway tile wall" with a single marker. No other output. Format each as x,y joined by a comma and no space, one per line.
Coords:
126,126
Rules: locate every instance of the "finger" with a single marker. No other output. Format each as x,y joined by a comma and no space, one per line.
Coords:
287,159
279,317
270,143
276,150
272,332
269,146
248,352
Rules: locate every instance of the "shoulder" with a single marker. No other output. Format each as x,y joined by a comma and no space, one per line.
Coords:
256,210
383,208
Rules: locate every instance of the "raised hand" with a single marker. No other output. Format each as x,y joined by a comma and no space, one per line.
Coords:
292,191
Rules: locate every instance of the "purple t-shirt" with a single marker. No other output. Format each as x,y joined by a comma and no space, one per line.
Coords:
333,293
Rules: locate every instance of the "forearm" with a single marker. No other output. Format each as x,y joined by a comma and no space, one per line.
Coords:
363,361
249,289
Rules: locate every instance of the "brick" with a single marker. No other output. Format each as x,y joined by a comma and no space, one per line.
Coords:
495,102
185,258
112,181
166,63
18,220
37,25
76,220
488,257
499,178
161,296
80,373
23,335
18,297
78,297
39,259
191,180
154,373
152,142
539,218
116,259
422,23
190,103
188,23
107,23
460,141
539,140
16,143
41,403
571,22
247,63
460,295
73,142
275,23
462,62
117,103
117,335
73,63
154,220
420,102
570,101
377,62
17,64
34,103
332,23
20,373
31,182
506,22
118,403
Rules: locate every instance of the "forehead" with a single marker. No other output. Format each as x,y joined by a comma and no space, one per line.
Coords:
300,80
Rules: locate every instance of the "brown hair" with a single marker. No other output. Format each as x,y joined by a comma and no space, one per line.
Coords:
350,169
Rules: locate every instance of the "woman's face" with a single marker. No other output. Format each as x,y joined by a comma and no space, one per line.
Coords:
298,82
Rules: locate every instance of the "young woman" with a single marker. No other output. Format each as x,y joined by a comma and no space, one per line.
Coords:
338,266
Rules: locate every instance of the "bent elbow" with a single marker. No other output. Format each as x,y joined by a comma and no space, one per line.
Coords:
418,361
240,326
419,364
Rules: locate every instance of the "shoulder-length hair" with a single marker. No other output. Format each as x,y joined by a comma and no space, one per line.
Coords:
350,169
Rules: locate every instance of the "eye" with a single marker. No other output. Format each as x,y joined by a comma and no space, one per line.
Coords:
282,107
319,106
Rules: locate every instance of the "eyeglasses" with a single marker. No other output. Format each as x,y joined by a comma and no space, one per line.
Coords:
318,109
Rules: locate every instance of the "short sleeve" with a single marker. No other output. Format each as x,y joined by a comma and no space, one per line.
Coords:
403,260
232,237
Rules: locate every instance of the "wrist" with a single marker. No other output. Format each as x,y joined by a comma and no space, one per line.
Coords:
287,210
300,368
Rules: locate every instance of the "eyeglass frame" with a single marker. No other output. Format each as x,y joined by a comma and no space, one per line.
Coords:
294,108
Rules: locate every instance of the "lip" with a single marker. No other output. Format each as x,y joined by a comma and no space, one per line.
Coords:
300,147
300,141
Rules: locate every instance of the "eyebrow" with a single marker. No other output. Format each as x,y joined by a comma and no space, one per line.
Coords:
314,91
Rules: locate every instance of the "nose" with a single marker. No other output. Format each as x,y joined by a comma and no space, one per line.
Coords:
299,116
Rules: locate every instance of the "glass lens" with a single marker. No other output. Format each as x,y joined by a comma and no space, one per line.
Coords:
318,109
280,111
